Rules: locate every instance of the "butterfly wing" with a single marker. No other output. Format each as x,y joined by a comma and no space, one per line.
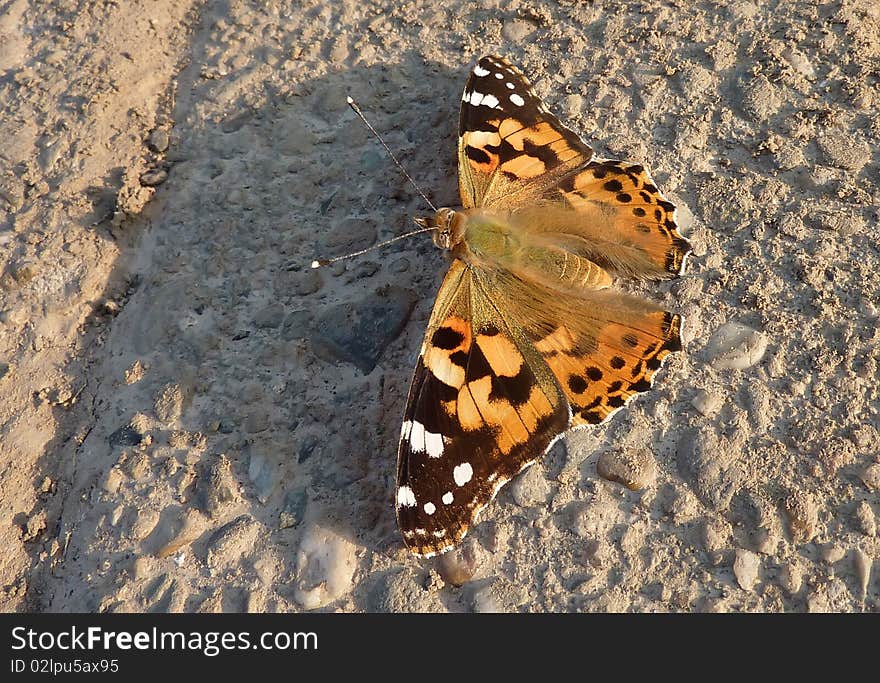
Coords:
483,405
513,153
603,346
510,147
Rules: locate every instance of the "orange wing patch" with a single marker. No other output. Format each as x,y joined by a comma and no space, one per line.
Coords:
600,374
641,213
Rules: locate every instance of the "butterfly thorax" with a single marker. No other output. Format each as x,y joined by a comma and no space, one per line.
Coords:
497,240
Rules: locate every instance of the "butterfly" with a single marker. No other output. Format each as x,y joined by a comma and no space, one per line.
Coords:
527,339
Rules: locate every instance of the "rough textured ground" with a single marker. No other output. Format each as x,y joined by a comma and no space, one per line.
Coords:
191,419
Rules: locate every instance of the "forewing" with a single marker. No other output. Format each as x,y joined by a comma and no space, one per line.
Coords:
510,147
482,406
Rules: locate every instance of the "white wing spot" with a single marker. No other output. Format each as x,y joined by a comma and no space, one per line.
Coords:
463,473
430,508
440,534
510,86
405,497
447,498
516,99
465,96
476,98
499,75
480,71
405,429
417,437
433,444
490,101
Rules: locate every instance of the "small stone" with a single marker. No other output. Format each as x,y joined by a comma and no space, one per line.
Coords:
158,140
233,541
765,540
633,468
215,486
842,150
137,465
145,521
294,509
306,282
791,577
866,522
11,192
735,346
799,63
358,332
325,567
297,325
716,535
262,475
516,32
154,177
530,488
862,564
871,477
35,526
171,402
709,464
574,105
135,373
270,316
399,265
832,553
457,566
351,234
125,436
707,403
114,480
745,568
760,99
803,516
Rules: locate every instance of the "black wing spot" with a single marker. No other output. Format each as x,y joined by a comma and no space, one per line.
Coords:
617,362
641,385
477,155
592,417
517,390
630,340
624,198
459,358
447,338
613,186
577,384
616,401
594,374
639,211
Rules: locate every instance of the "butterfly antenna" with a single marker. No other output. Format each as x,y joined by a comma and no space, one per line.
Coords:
327,261
357,110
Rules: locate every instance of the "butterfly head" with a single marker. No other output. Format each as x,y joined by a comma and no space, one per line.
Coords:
448,227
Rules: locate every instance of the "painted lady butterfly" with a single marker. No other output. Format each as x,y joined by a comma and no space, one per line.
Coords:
526,339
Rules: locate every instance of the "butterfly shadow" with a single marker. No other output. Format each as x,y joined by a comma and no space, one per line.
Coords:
223,389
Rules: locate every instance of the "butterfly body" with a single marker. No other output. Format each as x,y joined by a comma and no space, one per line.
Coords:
528,338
